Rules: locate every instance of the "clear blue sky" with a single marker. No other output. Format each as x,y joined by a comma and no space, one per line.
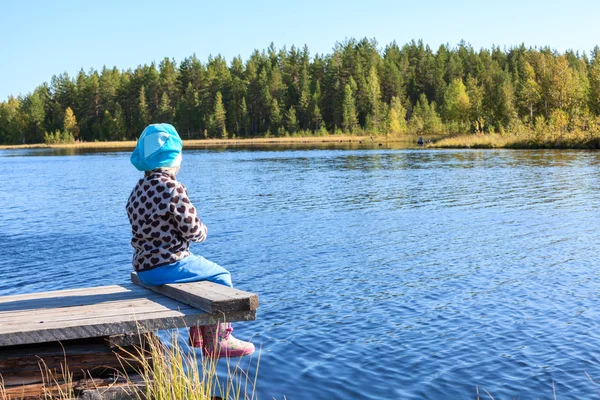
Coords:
43,38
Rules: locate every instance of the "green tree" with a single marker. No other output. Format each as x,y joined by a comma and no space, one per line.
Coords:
187,115
475,93
219,117
425,118
120,124
33,109
529,95
12,122
276,118
165,111
143,115
373,119
245,118
594,79
457,104
350,120
291,122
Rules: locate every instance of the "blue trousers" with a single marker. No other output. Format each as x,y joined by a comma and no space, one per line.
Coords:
193,268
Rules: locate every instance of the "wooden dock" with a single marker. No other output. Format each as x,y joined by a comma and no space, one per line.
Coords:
81,325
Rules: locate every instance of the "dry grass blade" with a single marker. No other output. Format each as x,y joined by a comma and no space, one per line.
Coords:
3,395
593,383
488,393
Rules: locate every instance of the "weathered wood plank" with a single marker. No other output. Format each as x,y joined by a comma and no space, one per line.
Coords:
207,296
125,287
125,340
96,311
36,391
71,298
85,389
69,330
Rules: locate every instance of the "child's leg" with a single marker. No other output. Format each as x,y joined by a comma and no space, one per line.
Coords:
191,269
215,340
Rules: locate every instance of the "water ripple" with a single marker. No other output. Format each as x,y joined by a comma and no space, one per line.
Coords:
382,273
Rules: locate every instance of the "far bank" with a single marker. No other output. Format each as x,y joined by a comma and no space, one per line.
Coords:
125,145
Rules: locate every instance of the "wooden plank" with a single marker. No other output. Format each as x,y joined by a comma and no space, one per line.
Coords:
85,389
84,321
36,391
100,311
71,298
125,340
207,296
69,330
125,287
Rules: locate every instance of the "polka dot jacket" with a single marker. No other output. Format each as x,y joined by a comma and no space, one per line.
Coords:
163,221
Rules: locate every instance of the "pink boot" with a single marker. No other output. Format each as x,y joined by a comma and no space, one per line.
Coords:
196,337
219,342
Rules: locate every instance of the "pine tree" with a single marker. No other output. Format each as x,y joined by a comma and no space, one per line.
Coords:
275,122
349,119
374,98
187,115
143,116
219,117
245,118
168,78
291,123
120,124
304,101
33,108
316,118
165,111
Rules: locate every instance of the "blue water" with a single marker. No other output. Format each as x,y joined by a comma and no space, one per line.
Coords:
382,273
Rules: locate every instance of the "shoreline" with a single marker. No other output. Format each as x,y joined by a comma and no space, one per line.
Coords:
130,144
574,141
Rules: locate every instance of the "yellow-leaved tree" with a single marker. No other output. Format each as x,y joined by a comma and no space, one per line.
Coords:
70,123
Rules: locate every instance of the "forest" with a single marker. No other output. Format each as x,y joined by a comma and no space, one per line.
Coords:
359,88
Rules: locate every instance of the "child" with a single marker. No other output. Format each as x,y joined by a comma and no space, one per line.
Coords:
163,222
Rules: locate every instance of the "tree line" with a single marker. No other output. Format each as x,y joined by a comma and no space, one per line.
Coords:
358,88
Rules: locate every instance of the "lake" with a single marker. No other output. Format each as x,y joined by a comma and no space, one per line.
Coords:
382,273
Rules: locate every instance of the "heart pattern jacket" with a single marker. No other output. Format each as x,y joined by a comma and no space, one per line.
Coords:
163,221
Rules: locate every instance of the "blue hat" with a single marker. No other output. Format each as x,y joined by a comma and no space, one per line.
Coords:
158,147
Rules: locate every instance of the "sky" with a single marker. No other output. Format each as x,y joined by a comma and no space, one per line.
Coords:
39,39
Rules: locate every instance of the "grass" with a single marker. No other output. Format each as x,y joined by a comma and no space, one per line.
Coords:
164,372
544,139
176,374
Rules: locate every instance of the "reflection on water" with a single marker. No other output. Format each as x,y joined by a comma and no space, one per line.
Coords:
382,273
381,143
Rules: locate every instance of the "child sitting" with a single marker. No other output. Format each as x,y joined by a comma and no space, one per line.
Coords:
163,223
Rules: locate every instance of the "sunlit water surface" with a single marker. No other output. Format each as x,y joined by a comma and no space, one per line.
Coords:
382,273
